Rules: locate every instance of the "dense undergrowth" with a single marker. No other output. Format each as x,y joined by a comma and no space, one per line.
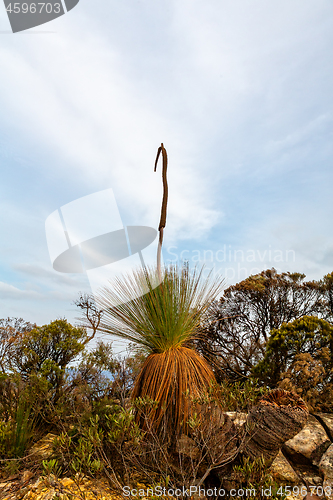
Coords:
51,381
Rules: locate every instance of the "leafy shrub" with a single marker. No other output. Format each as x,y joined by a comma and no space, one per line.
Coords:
255,475
240,396
48,349
11,330
97,444
112,444
299,357
239,324
101,374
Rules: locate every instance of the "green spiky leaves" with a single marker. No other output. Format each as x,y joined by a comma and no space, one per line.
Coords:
157,318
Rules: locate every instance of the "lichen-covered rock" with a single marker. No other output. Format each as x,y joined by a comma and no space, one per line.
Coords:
326,463
282,471
308,446
237,417
327,420
61,489
326,470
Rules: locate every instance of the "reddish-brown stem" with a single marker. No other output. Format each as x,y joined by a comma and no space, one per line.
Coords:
162,223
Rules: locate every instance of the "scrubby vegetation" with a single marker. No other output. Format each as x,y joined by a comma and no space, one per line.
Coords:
159,410
276,328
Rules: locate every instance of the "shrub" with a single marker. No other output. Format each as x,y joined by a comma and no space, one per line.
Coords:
46,351
299,357
11,330
238,326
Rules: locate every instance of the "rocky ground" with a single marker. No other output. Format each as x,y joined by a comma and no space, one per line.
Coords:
50,488
304,466
305,463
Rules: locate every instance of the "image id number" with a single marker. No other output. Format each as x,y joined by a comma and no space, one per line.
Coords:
32,8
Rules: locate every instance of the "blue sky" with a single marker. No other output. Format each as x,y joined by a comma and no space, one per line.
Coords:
239,92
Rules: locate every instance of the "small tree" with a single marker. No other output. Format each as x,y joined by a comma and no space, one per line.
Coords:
327,290
47,350
238,326
11,330
300,352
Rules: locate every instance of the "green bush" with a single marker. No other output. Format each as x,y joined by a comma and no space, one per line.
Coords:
240,396
48,349
17,433
97,443
299,357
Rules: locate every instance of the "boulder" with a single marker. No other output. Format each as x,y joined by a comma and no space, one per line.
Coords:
326,419
326,463
282,471
308,446
326,470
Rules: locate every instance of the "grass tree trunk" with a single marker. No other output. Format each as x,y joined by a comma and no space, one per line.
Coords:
279,416
174,378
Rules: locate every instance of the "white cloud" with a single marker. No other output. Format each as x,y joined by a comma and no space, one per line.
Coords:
10,292
238,92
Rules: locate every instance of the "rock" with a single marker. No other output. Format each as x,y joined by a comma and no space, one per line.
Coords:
49,495
328,489
313,480
281,470
308,446
326,470
293,496
326,464
186,446
43,449
64,489
238,418
22,493
326,419
26,476
67,482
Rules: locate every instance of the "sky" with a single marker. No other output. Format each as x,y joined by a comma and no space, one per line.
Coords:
239,92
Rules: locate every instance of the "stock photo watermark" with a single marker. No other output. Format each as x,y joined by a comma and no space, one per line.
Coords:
27,14
198,491
233,263
82,239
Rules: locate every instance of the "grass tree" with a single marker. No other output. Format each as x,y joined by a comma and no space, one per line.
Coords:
163,323
161,311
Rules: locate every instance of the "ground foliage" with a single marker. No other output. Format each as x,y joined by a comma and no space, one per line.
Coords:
271,330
